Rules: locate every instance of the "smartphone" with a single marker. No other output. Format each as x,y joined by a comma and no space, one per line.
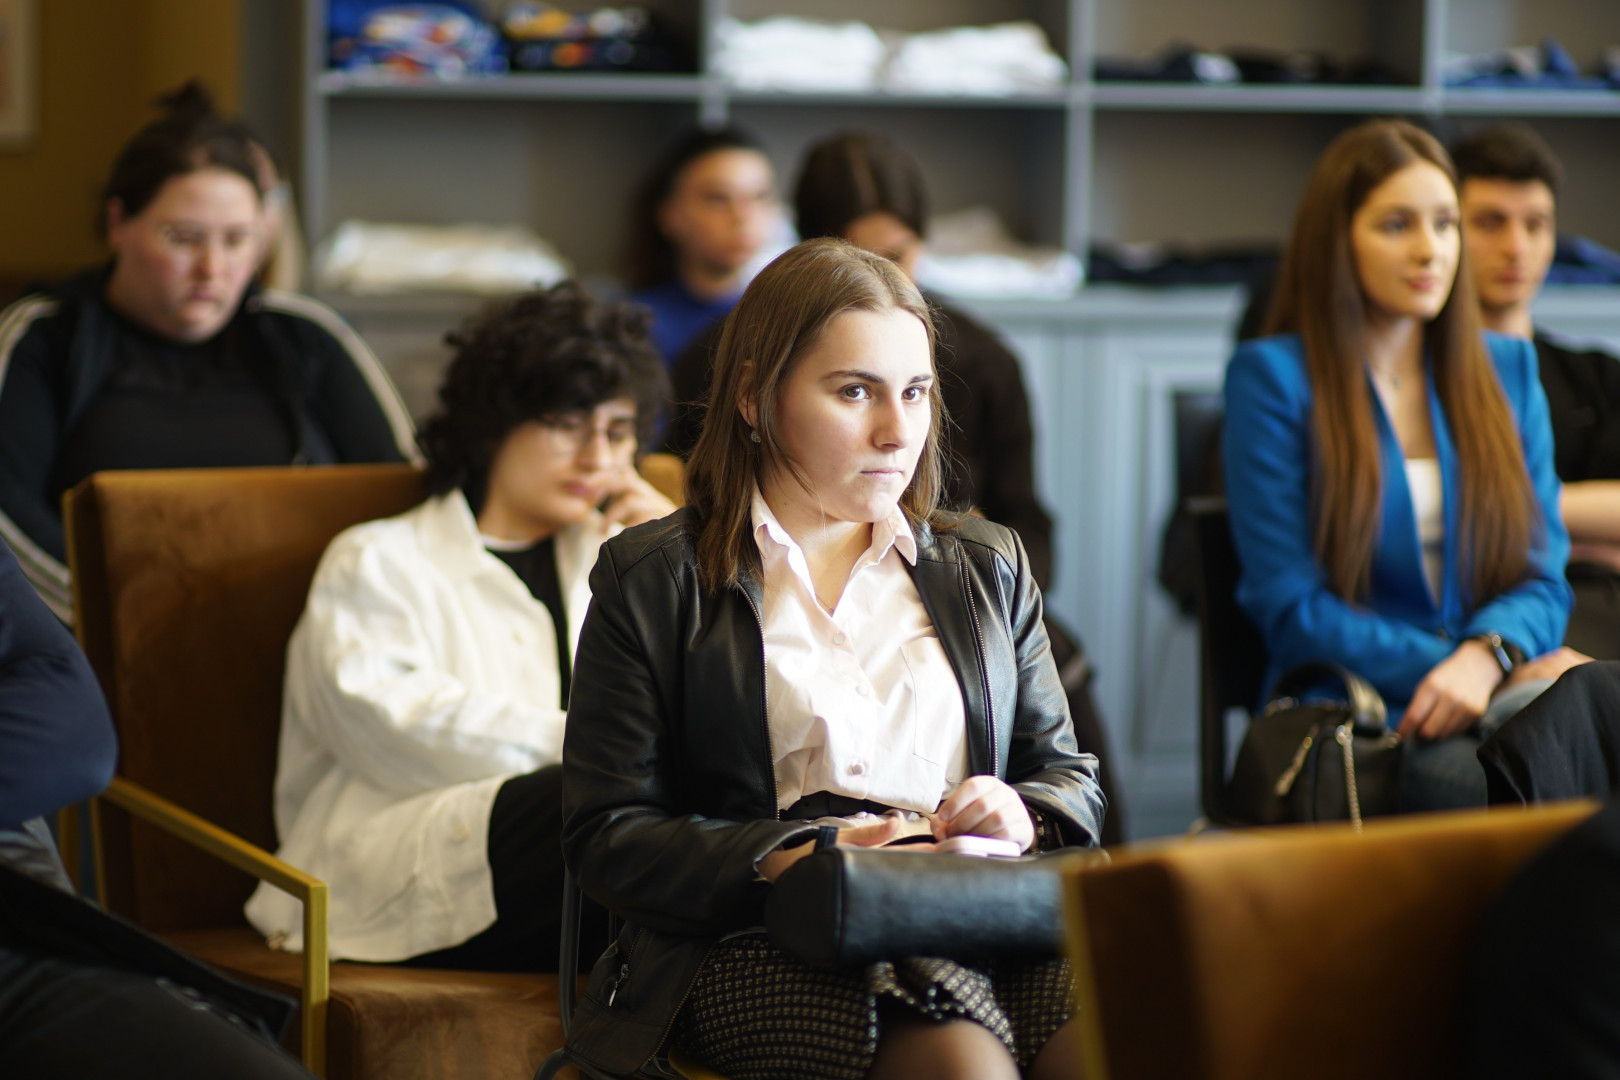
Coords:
981,846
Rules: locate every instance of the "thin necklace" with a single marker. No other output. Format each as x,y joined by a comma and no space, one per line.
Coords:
1393,380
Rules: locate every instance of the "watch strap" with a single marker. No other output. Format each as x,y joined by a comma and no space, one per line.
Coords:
1500,650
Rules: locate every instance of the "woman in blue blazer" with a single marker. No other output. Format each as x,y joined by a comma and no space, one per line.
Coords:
1389,465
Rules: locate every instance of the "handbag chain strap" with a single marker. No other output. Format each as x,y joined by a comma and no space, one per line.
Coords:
1351,795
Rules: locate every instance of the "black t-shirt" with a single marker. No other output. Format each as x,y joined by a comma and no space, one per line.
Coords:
536,567
1583,396
168,404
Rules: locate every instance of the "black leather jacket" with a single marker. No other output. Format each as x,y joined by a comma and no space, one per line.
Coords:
669,791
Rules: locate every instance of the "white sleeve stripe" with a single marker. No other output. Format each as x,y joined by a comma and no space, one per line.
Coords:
370,368
15,321
48,577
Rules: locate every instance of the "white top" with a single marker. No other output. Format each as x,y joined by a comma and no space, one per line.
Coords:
1428,509
861,702
421,676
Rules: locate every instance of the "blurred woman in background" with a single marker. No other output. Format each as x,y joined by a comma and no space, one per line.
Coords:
1389,465
428,677
169,356
700,221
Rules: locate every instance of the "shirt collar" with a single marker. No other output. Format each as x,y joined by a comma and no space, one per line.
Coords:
893,531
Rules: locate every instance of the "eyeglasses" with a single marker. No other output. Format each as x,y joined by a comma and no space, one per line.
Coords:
571,432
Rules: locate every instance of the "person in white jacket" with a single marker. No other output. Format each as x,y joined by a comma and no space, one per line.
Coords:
427,680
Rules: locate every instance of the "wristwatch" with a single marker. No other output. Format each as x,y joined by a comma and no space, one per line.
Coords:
1048,836
1501,650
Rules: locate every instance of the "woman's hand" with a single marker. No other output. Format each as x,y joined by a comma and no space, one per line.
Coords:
775,864
985,806
1454,694
631,501
1547,666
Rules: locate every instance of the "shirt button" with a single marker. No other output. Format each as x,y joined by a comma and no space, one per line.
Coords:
857,768
838,638
864,690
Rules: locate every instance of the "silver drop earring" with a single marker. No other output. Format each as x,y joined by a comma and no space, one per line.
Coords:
753,435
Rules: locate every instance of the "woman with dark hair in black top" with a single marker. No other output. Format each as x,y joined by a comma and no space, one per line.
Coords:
168,356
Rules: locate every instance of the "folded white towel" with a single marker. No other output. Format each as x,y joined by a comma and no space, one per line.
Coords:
807,55
992,60
373,258
788,53
971,254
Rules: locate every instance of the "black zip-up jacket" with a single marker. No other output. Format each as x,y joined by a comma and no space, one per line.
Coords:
669,791
58,349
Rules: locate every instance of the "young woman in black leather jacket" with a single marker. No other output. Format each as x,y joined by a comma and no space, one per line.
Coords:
688,787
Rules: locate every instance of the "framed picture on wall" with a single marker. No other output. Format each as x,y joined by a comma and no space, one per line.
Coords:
19,74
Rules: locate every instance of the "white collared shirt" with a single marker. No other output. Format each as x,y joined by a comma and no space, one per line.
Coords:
861,702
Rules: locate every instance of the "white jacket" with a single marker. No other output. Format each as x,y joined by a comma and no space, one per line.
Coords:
421,676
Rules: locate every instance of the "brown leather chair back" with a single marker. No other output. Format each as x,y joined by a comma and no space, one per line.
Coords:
667,473
1300,951
187,586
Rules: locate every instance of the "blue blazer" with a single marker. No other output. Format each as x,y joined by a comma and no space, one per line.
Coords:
1403,630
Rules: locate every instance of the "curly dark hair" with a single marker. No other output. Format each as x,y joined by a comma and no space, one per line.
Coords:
529,357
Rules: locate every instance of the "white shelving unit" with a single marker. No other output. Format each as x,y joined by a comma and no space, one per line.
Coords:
1068,166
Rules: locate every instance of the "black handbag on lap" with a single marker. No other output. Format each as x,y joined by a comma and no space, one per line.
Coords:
1321,761
845,905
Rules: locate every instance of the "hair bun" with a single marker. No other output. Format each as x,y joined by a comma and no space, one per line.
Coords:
188,104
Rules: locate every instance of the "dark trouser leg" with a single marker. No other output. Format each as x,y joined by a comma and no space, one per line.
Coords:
1563,745
525,859
77,1022
1073,669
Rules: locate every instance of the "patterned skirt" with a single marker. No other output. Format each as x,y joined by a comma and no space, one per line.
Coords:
755,1013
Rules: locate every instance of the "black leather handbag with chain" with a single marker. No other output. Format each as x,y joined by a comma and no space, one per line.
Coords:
1317,761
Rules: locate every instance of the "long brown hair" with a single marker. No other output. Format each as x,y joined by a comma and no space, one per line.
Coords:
779,319
1319,297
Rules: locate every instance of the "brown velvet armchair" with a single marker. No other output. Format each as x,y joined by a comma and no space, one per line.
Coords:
187,585
1301,951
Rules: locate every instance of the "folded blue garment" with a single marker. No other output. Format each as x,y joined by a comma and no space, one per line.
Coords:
1512,69
1579,261
447,39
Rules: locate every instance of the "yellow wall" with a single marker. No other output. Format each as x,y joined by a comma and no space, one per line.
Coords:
100,64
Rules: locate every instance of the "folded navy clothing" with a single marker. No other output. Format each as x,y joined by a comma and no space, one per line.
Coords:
447,39
1170,264
1177,63
1579,261
1524,67
1185,63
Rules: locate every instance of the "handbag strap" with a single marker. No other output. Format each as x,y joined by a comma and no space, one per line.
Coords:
1367,711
